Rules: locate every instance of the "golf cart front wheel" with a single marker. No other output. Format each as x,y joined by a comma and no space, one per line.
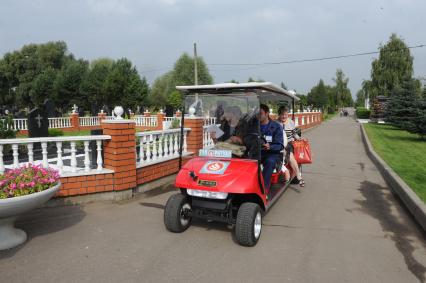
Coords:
176,218
249,224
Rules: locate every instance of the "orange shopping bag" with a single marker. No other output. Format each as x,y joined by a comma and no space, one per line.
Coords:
302,151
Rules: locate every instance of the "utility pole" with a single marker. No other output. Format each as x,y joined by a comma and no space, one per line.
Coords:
195,65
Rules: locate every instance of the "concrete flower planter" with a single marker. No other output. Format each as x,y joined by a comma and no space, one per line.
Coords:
11,208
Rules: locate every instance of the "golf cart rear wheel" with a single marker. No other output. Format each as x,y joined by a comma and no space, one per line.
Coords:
176,217
249,224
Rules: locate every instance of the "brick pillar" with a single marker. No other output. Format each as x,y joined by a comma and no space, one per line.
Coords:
195,136
75,123
120,152
147,114
160,119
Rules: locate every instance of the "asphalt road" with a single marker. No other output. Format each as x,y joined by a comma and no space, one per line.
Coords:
344,226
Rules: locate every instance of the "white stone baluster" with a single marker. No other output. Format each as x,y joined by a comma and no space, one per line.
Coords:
86,156
59,162
30,153
148,148
73,158
99,160
141,140
167,145
176,137
185,146
15,156
1,160
160,146
44,153
154,147
172,145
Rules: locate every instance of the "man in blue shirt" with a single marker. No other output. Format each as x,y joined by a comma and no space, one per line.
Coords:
273,142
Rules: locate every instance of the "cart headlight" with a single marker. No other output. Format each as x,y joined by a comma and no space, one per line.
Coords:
207,194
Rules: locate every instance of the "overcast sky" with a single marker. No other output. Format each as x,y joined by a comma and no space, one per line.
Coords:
153,34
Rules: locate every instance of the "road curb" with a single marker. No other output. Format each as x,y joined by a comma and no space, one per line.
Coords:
409,198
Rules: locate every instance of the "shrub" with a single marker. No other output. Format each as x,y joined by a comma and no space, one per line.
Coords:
27,180
175,124
6,128
363,113
55,133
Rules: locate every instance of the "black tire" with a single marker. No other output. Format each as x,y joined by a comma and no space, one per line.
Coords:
173,219
245,226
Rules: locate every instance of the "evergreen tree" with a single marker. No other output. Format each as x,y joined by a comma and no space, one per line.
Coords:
418,125
401,108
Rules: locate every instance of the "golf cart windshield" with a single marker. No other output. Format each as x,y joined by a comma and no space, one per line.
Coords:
229,120
231,114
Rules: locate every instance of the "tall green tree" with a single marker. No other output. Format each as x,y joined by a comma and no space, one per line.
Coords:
68,82
394,65
163,90
318,97
123,86
343,95
360,98
93,85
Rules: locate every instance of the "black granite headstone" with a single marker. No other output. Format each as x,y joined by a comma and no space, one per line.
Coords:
80,111
50,108
169,111
94,109
38,123
106,109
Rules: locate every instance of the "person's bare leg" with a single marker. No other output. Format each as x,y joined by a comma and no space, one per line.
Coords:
294,166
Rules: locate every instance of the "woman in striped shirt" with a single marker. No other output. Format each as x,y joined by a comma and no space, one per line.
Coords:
289,129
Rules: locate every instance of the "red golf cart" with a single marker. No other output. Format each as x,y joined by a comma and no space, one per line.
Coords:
224,181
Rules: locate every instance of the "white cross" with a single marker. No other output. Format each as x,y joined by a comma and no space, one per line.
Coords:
39,118
74,108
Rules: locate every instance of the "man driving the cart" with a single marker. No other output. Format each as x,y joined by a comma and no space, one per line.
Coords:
272,144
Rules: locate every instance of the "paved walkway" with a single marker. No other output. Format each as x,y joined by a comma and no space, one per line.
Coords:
344,226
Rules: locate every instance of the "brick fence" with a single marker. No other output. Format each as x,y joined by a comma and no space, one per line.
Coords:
120,157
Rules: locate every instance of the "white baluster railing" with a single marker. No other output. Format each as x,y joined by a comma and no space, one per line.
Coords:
209,121
59,122
168,122
143,121
78,163
19,124
160,146
89,121
207,139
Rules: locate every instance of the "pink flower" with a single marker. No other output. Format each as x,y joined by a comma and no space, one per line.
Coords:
12,186
21,185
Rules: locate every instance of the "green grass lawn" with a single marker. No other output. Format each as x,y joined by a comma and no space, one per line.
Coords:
404,152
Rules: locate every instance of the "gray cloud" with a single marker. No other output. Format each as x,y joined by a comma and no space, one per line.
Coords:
153,34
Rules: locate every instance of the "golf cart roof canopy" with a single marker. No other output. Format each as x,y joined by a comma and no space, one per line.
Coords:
229,87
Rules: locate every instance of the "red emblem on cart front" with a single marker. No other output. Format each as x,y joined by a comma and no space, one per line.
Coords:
214,167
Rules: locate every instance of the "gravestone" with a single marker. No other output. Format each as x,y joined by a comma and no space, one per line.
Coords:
94,109
50,108
80,111
38,123
169,111
106,109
